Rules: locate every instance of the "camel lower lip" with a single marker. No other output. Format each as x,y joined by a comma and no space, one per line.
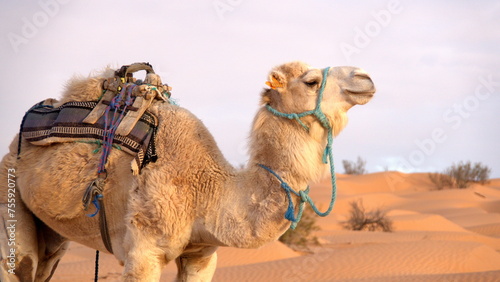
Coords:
365,94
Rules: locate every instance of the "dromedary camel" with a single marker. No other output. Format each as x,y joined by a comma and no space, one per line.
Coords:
188,202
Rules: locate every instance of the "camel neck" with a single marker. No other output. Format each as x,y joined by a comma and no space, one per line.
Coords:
254,201
285,147
327,157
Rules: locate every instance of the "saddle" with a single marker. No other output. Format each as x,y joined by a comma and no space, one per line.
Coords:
85,121
118,119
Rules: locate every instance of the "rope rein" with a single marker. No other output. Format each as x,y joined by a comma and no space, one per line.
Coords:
327,158
118,106
96,267
126,99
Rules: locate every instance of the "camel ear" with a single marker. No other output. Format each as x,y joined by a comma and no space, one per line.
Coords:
276,80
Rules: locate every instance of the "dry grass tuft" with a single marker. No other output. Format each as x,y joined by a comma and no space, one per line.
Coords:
360,219
461,175
354,168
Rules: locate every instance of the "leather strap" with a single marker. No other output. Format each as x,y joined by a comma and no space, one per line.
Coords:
103,226
95,191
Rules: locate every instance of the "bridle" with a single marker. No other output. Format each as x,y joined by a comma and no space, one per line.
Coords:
327,157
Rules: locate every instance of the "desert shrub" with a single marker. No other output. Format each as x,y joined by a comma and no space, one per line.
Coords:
464,173
461,175
360,219
301,237
355,168
441,180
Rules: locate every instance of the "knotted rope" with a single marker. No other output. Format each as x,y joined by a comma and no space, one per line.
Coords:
327,158
113,115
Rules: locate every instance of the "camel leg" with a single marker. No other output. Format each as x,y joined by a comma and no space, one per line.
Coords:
29,250
144,262
199,266
51,248
18,243
142,268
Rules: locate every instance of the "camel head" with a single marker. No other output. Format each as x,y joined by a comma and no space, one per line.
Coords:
294,88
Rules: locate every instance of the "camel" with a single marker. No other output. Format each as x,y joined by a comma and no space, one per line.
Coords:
191,200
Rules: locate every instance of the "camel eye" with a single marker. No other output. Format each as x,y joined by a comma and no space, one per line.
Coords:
311,83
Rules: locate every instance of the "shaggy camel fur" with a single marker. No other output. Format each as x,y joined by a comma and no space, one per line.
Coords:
187,203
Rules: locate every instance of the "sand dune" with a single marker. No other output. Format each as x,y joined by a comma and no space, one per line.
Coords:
272,252
372,260
445,235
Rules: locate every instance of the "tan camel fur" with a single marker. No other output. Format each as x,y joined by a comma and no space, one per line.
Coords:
187,203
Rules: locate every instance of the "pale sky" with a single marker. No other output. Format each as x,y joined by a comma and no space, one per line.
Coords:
435,65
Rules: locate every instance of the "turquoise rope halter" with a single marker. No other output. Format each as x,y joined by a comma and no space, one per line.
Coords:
327,157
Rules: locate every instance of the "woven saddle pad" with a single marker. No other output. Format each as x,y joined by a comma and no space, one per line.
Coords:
43,125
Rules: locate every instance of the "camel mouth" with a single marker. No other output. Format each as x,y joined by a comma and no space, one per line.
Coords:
360,97
369,93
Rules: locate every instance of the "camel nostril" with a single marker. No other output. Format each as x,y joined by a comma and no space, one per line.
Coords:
360,73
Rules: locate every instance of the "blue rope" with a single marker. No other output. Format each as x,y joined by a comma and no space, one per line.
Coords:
327,157
110,126
316,112
296,117
290,212
95,201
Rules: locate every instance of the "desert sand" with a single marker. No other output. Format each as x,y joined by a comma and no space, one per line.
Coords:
439,235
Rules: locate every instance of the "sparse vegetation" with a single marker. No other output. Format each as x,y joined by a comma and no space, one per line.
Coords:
461,175
441,180
301,237
360,219
355,168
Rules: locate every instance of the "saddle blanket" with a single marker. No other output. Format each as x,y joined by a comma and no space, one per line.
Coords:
44,124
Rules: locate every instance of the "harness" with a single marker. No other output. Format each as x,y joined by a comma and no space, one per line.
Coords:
327,158
119,119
